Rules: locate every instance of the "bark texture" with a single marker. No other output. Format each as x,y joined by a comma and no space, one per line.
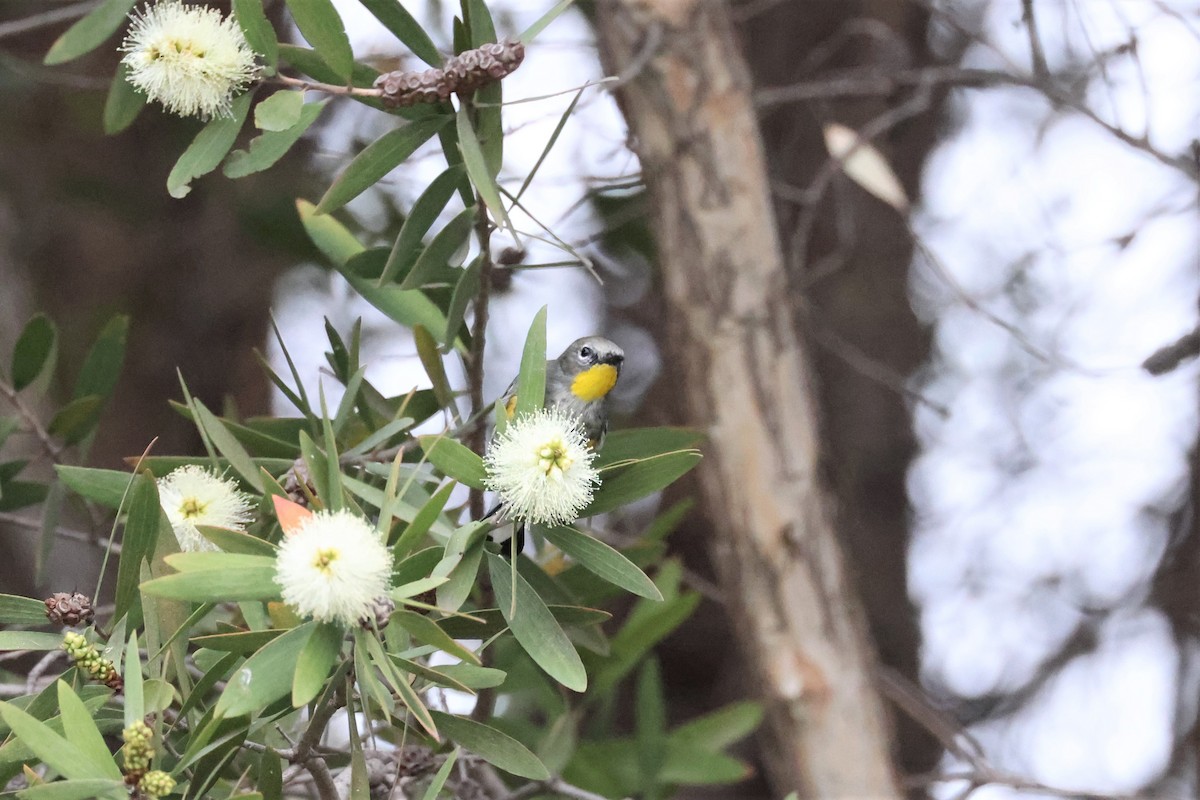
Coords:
750,387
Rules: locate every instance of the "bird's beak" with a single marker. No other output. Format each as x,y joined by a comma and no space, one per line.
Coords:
615,359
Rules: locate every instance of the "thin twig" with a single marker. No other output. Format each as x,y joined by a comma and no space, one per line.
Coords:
39,669
60,531
51,448
322,779
483,232
328,88
1040,69
557,786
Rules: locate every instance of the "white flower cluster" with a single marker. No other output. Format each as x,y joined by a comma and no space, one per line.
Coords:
541,467
189,58
193,495
333,566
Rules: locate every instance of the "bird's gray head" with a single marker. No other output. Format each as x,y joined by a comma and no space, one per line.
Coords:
583,354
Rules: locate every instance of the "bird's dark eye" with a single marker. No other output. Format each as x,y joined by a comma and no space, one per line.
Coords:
586,353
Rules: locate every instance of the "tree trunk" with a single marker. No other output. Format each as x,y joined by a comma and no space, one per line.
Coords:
750,387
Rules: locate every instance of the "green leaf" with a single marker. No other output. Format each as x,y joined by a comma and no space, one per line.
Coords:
439,779
243,643
426,631
102,366
280,111
455,460
602,560
420,219
29,640
474,677
395,17
423,520
465,291
260,33
217,585
123,103
228,445
17,610
650,724
689,766
231,541
640,480
398,681
145,520
82,789
479,22
339,245
207,560
321,26
77,419
440,254
207,150
431,360
266,676
34,349
531,380
488,622
315,661
90,32
81,731
534,627
722,727
135,695
54,749
540,25
377,160
478,169
497,748
21,494
266,149
104,486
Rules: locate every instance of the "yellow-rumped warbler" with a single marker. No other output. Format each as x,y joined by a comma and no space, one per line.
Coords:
578,383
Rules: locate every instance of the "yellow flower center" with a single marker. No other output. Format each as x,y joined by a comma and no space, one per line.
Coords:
192,508
553,459
325,558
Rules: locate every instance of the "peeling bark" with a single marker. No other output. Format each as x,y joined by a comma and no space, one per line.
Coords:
750,387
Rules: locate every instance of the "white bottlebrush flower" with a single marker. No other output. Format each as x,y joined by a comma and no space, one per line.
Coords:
541,467
193,495
189,58
333,566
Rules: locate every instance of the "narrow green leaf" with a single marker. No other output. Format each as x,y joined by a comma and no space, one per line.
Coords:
439,778
266,149
537,27
650,729
423,521
399,683
34,349
322,27
82,789
474,677
123,103
135,688
377,160
488,622
420,219
461,580
441,250
207,560
497,748
89,33
478,169
481,28
534,627
231,541
270,774
722,727
53,748
562,122
81,731
280,111
142,526
104,486
209,147
102,365
431,360
426,631
531,380
29,640
454,459
17,610
395,17
216,586
77,419
640,480
260,33
243,643
266,676
339,245
315,661
464,292
598,558
228,445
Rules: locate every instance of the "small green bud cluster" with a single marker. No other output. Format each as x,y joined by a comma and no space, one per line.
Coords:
156,783
139,748
88,659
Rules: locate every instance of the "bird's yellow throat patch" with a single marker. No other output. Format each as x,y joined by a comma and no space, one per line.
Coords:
594,382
